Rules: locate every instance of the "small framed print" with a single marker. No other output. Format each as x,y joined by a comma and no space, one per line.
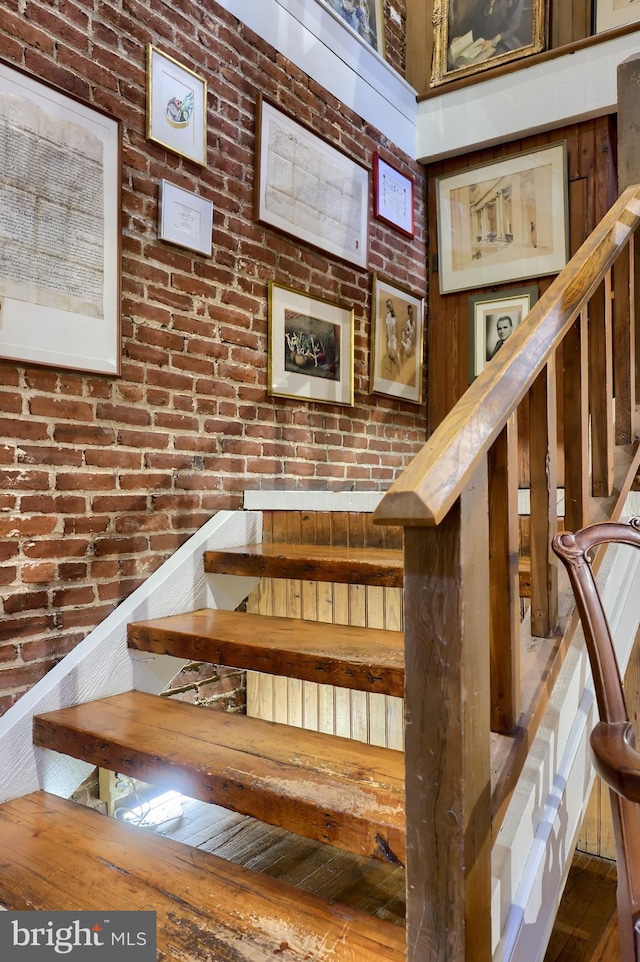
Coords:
492,320
393,196
176,107
397,333
310,347
615,13
365,17
184,218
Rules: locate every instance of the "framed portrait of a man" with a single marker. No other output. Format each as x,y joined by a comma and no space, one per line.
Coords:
493,318
473,35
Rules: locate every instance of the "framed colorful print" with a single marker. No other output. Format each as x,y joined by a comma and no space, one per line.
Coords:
365,17
473,35
60,236
397,336
184,218
492,320
616,13
176,107
393,196
310,347
308,188
503,221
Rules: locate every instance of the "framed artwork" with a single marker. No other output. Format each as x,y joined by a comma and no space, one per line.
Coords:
503,221
176,107
492,320
310,347
184,218
616,13
60,234
365,17
309,189
393,196
397,336
473,35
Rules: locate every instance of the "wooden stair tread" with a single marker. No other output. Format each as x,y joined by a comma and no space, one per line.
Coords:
304,562
328,788
366,659
206,907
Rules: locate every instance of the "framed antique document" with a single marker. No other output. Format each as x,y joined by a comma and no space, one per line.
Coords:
59,228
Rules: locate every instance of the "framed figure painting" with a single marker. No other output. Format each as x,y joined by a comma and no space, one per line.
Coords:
366,17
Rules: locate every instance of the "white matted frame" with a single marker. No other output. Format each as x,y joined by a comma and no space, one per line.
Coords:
310,347
184,218
176,106
503,221
60,228
397,336
615,13
492,320
392,196
365,17
308,188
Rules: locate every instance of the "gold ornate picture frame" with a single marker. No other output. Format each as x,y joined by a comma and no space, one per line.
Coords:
176,106
473,35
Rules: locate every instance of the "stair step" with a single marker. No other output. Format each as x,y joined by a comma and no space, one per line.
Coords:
220,911
327,788
367,659
304,562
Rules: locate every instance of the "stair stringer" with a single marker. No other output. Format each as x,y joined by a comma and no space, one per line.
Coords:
535,845
102,665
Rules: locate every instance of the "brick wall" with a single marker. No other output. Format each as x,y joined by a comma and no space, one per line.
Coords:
102,478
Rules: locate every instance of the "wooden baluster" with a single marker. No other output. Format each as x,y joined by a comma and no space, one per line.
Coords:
544,493
447,734
504,579
624,345
601,389
635,261
575,363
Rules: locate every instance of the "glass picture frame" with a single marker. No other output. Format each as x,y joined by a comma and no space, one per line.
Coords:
176,106
397,341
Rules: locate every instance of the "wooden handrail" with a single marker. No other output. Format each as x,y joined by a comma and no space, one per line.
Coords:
425,492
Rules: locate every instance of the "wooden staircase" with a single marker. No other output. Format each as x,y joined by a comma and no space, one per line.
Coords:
327,788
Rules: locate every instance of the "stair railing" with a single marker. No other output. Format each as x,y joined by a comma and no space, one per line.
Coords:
567,376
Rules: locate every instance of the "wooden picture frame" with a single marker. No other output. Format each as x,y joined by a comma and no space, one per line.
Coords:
616,13
60,243
397,342
309,189
176,107
474,35
184,218
503,221
364,17
393,196
310,347
492,319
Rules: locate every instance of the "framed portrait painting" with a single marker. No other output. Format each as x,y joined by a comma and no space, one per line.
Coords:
310,347
492,320
176,106
397,336
503,221
473,35
365,17
616,13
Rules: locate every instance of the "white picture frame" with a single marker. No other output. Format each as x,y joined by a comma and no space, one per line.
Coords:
60,294
185,218
176,106
309,189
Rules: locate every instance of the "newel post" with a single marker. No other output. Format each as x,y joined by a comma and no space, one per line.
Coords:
447,705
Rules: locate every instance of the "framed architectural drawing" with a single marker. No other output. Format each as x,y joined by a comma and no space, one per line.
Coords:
365,17
392,196
310,347
503,221
184,218
473,35
616,13
397,329
309,189
59,228
492,320
176,107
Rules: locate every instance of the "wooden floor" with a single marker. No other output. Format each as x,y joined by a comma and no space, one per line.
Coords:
585,928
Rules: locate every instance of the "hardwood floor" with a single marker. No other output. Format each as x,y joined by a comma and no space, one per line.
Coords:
586,927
